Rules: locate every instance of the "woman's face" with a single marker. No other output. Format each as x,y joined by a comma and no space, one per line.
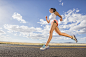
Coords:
51,10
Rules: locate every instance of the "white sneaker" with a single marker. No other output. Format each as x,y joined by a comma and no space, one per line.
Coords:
74,38
44,47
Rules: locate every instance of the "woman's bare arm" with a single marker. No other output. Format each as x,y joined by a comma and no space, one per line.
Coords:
57,14
47,19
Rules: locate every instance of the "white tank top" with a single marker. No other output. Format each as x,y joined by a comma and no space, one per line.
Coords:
52,17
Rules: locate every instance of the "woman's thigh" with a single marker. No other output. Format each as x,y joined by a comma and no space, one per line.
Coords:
57,30
53,26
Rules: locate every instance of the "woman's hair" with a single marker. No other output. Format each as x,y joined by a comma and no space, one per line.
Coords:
53,9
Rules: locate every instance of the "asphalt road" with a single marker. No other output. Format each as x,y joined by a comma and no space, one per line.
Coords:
10,50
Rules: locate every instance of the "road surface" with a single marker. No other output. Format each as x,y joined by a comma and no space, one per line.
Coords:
10,50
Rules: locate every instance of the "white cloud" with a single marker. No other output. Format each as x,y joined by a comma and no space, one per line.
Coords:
74,22
3,35
59,0
2,32
18,17
61,3
77,10
4,38
84,38
32,32
17,28
0,28
15,34
29,32
42,22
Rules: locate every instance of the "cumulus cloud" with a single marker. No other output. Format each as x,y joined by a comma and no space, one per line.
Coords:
18,17
29,32
42,22
59,0
61,3
84,38
74,22
2,32
0,28
32,32
3,36
17,28
77,10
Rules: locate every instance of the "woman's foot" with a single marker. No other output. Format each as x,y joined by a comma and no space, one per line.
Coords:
74,38
44,47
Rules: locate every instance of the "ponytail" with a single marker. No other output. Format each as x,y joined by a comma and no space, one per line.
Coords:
56,13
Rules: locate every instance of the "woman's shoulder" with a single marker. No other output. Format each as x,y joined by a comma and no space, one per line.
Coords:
56,13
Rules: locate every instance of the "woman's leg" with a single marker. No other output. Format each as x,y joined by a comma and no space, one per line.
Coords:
53,26
63,34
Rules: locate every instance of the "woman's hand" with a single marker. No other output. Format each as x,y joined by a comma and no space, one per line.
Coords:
46,17
47,20
61,19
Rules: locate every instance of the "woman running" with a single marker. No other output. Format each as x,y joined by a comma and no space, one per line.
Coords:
54,26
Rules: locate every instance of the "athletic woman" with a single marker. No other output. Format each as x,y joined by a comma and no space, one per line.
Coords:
54,26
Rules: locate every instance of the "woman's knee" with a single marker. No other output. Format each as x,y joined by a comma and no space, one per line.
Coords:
60,33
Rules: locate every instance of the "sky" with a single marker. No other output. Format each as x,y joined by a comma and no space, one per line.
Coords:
24,20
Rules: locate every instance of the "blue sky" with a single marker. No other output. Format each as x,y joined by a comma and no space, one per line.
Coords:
24,20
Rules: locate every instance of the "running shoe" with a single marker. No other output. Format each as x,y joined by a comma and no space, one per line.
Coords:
74,38
44,47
